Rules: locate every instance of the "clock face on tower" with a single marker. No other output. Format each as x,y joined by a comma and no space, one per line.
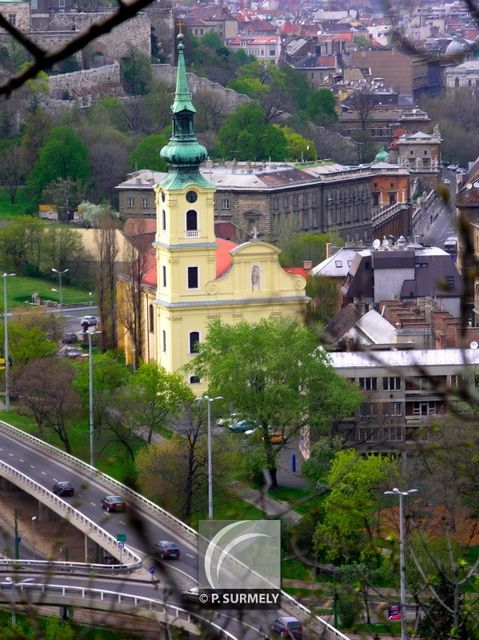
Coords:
191,196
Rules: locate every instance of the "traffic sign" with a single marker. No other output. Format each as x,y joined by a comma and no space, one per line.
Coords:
2,363
120,545
121,537
394,612
19,538
152,570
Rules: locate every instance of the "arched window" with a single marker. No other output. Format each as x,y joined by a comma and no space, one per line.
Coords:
194,339
191,220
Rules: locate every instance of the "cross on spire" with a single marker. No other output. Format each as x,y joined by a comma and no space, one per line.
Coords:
180,24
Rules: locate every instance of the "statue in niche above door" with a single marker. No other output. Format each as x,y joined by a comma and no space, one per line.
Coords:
255,277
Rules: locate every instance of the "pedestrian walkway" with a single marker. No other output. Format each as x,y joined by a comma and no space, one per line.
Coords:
261,500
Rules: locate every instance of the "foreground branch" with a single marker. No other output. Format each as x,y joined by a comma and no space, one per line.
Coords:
43,60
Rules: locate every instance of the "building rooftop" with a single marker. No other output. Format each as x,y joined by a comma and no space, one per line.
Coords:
404,358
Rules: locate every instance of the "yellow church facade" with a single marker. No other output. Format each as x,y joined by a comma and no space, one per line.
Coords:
199,277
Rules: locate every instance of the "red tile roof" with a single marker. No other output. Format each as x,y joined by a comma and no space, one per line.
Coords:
297,271
223,261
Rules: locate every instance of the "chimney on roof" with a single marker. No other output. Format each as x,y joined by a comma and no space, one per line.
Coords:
307,265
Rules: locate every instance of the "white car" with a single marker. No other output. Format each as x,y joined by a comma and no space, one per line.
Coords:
91,320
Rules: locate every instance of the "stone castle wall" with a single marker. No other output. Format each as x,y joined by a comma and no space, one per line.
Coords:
167,73
90,82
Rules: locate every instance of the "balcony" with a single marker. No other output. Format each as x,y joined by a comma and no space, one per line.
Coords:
192,234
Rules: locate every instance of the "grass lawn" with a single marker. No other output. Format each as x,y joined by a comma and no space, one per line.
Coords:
8,210
300,500
21,288
294,569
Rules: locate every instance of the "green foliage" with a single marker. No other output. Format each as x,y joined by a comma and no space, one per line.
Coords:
146,154
322,453
297,248
136,73
109,112
108,374
29,247
347,532
298,148
259,369
27,343
245,135
366,147
63,155
56,629
322,107
212,40
325,300
349,607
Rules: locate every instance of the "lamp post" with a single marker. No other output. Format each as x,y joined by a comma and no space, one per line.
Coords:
90,396
402,564
34,519
6,348
90,293
9,583
60,273
210,460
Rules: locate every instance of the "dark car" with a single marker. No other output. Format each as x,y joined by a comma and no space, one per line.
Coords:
70,338
287,627
191,595
113,503
63,488
167,549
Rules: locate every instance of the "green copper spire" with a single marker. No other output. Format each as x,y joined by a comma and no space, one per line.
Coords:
182,96
183,153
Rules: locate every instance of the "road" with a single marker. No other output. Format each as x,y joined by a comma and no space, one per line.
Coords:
141,530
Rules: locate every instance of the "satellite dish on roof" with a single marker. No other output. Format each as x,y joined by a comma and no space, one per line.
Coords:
474,345
385,242
376,244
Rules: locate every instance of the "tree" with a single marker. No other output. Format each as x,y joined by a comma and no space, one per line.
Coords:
12,170
107,248
61,193
175,470
37,128
245,135
347,530
63,155
109,165
273,373
146,154
108,375
298,247
28,343
63,248
109,112
298,148
322,107
325,300
45,389
363,102
154,394
21,245
136,73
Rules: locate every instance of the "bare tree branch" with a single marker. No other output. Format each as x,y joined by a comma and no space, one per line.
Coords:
44,60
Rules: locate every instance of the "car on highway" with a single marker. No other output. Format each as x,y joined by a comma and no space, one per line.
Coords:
90,320
113,503
287,627
191,595
166,549
63,488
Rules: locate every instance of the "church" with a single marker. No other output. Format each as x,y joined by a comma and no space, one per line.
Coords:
192,277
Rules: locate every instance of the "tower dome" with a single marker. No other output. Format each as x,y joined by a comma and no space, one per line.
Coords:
382,155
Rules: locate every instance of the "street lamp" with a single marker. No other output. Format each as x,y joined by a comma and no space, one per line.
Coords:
34,518
90,395
210,460
6,349
60,273
9,583
90,293
402,564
